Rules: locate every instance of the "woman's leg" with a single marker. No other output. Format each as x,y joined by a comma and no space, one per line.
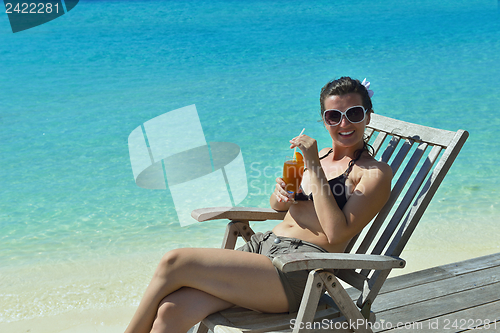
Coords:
241,278
182,309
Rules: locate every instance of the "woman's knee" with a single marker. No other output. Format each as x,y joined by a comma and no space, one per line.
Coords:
171,257
168,309
168,314
175,312
172,262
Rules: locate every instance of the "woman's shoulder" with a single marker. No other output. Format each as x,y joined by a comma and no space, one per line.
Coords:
373,167
324,152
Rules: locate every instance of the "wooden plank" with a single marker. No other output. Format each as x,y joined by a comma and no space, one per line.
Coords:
309,303
368,133
389,150
409,130
494,326
260,322
401,155
250,320
214,320
474,264
379,140
485,317
237,214
440,306
415,279
351,243
312,260
440,273
437,289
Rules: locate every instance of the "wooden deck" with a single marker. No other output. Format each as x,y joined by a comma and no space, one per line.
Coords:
449,298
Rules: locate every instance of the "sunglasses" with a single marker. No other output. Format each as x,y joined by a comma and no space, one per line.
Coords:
355,114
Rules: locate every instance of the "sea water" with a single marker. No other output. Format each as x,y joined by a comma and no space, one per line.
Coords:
76,232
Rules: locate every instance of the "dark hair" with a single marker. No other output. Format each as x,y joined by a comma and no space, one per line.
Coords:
345,85
342,86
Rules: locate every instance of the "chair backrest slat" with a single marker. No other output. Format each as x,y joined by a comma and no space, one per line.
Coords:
368,133
426,194
395,193
389,150
400,157
407,199
378,142
351,243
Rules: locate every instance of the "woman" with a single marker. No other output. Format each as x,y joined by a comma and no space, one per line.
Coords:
343,188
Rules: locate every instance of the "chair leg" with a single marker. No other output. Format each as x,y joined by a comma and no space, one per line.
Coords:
234,229
346,305
230,237
200,328
371,287
309,304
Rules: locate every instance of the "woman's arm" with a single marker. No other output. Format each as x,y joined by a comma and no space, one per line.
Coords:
330,216
369,196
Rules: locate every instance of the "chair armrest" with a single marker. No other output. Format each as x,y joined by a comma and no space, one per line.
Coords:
236,213
309,261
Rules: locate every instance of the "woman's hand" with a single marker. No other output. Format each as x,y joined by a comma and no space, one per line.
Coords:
309,148
281,194
281,200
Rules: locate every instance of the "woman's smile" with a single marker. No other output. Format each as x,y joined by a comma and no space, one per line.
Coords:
348,133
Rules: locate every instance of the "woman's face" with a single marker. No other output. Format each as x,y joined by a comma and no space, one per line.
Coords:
346,134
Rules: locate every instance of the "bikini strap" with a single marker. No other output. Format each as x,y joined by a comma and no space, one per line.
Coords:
329,152
322,157
358,154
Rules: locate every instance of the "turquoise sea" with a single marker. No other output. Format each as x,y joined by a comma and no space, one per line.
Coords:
76,232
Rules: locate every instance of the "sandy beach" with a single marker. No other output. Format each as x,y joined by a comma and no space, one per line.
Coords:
95,321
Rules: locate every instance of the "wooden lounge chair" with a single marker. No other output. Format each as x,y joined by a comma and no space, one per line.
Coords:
419,157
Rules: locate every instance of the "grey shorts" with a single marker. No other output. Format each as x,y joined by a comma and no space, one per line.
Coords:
271,246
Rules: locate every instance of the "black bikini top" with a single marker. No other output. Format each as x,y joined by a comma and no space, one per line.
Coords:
337,185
